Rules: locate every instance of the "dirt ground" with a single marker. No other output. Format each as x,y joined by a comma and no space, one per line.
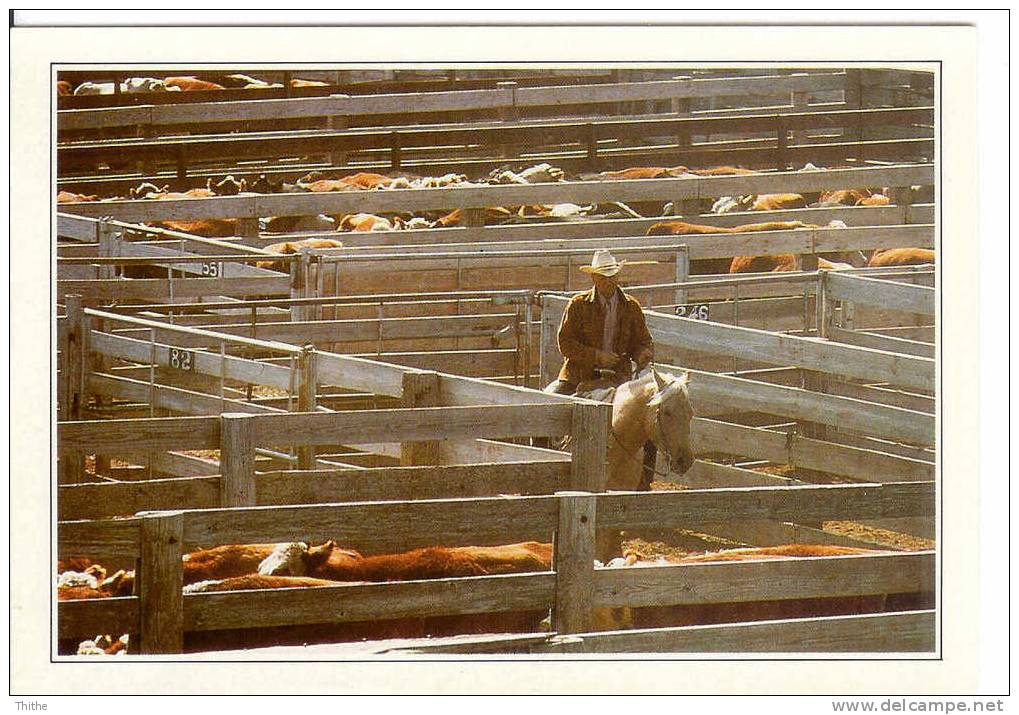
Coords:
681,542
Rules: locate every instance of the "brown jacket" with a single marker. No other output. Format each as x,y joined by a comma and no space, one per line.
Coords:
580,334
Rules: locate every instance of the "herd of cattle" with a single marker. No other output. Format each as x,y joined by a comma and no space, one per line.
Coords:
318,182
137,85
297,565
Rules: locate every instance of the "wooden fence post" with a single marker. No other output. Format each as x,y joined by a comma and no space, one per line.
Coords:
161,583
681,108
420,389
71,468
823,305
296,289
549,358
782,148
236,460
338,122
682,272
70,347
508,113
852,95
306,399
591,142
589,443
573,561
247,227
801,103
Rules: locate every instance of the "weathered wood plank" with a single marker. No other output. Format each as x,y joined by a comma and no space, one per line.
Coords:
174,399
160,584
154,290
417,425
429,482
710,436
765,580
873,633
237,460
888,295
364,602
808,353
786,503
84,619
101,539
708,389
591,424
886,343
150,434
236,368
382,526
573,562
94,501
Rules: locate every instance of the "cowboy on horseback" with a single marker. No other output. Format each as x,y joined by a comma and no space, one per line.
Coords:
603,333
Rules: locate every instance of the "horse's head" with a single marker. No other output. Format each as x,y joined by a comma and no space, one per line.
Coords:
671,415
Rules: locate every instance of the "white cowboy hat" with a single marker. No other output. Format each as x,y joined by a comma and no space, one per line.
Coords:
603,263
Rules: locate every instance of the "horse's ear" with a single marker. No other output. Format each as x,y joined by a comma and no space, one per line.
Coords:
660,382
683,379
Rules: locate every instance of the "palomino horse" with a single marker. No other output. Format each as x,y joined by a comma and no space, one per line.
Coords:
652,408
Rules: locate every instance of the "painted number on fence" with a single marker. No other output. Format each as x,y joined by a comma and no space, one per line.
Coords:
697,311
182,359
212,270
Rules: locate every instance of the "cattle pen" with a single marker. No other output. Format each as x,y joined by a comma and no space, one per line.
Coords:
385,393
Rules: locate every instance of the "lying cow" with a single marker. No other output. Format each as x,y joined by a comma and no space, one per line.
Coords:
784,262
291,247
491,215
853,197
543,173
329,561
208,227
191,84
296,224
885,258
359,181
264,184
133,85
364,222
717,265
67,197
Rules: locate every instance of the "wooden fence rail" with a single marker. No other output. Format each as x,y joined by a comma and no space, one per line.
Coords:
528,133
509,98
773,348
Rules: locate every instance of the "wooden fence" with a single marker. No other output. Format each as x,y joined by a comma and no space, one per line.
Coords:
509,97
855,290
161,613
400,144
